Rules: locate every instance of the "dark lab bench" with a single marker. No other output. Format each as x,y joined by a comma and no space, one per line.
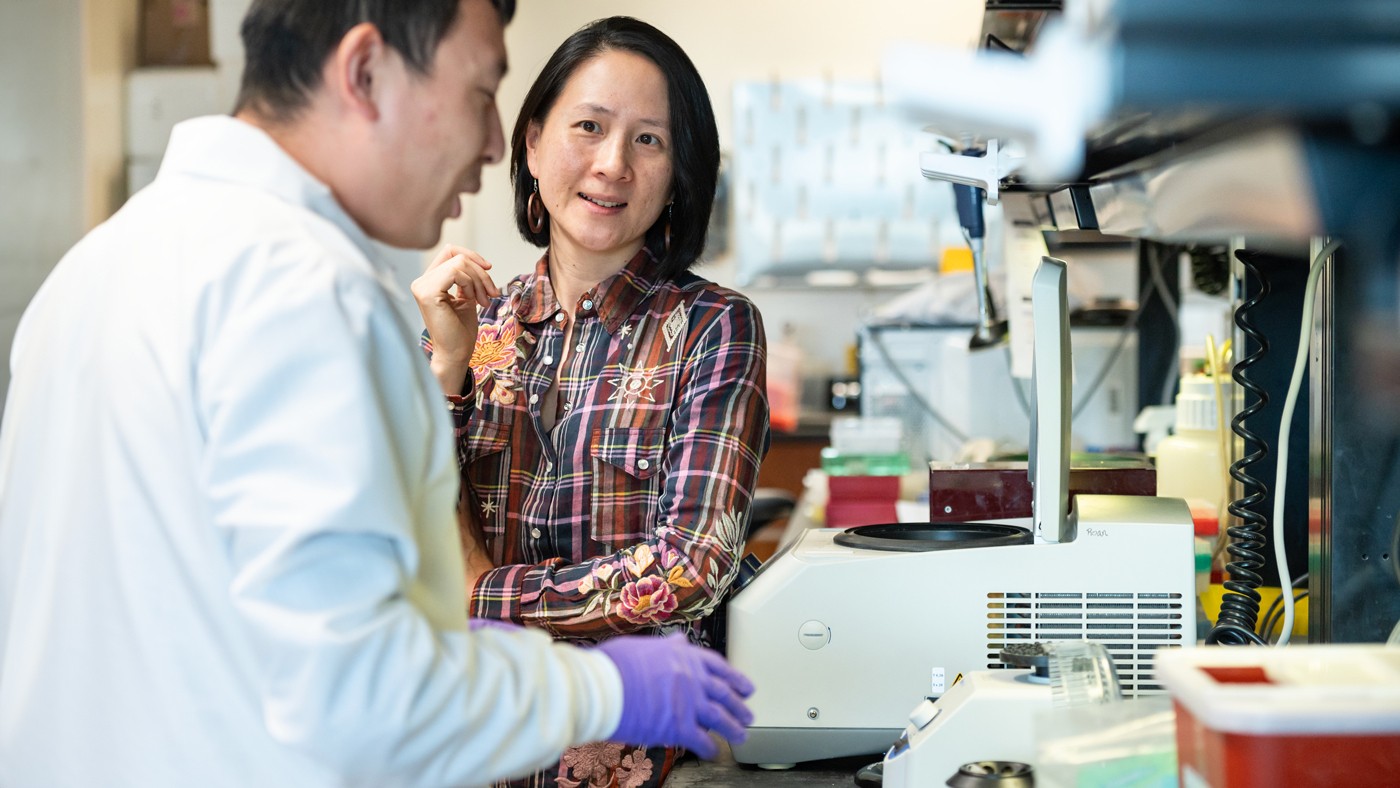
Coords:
723,772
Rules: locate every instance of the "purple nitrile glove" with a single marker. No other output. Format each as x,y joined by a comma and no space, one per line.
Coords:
674,693
474,624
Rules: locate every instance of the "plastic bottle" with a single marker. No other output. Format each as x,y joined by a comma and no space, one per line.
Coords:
1189,466
1188,461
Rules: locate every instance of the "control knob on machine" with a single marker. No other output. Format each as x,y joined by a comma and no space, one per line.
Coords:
923,714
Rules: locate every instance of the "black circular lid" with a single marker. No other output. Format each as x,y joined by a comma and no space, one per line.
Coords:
922,537
990,774
1027,655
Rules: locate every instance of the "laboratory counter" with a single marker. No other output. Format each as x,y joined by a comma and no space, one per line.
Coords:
723,772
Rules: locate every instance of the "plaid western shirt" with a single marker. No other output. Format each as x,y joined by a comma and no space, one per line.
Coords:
628,516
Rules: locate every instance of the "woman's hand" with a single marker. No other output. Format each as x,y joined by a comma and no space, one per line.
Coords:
450,316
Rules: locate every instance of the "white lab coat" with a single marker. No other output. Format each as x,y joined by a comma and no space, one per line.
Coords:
228,547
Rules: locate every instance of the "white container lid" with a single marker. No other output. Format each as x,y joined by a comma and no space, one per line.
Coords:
1195,403
1310,689
867,434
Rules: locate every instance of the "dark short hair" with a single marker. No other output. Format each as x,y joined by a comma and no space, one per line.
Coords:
286,43
694,137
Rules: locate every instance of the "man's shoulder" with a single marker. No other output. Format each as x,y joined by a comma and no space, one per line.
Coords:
228,220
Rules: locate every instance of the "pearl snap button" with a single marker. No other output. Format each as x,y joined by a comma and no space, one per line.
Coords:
643,464
587,303
534,533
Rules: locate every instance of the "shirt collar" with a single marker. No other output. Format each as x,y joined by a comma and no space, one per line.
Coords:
224,148
614,299
538,302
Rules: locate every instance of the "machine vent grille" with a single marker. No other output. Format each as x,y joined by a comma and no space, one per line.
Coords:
1131,626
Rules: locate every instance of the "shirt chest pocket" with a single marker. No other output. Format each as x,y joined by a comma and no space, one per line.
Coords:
626,483
485,462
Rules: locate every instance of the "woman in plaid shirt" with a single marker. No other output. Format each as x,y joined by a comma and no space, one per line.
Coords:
610,406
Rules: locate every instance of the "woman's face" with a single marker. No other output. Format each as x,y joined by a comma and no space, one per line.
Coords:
603,157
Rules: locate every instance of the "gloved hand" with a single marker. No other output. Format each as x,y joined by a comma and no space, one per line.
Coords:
674,693
474,624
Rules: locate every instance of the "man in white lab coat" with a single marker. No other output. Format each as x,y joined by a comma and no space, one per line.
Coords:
228,540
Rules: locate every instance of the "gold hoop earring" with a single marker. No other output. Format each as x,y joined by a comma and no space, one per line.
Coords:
534,210
666,234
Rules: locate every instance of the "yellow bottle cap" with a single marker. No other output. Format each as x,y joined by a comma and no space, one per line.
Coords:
956,258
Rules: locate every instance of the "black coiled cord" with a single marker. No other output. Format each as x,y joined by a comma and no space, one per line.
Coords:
1239,607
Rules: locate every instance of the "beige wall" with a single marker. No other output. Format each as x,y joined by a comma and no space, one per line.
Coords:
61,136
729,40
41,169
109,29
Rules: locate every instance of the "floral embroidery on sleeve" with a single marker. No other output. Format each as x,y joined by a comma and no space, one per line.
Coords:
593,763
602,765
646,601
636,590
634,770
499,349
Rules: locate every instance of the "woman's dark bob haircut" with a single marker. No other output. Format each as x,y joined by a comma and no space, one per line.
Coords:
695,140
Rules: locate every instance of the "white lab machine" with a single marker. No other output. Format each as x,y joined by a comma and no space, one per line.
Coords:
976,393
843,632
990,715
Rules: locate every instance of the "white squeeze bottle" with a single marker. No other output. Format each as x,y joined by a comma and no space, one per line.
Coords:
1188,461
1189,466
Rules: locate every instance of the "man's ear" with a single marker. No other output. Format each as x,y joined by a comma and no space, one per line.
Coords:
356,68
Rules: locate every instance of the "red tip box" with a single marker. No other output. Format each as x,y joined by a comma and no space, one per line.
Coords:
1301,716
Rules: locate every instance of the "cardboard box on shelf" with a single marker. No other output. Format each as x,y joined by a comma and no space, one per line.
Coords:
175,33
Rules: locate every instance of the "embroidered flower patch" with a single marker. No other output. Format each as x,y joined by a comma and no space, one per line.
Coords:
647,601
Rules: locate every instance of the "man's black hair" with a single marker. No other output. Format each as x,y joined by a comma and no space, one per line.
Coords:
286,43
